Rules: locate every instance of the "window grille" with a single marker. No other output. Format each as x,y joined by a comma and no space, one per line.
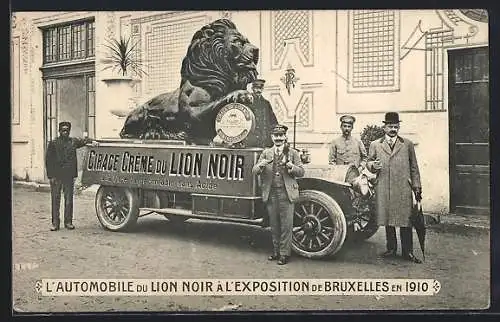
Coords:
374,51
69,42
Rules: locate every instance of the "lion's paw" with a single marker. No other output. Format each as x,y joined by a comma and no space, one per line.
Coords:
240,96
152,134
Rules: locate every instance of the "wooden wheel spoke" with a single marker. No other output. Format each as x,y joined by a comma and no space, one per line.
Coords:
324,219
298,235
297,229
328,228
298,214
123,214
320,242
303,209
115,217
304,237
318,213
325,236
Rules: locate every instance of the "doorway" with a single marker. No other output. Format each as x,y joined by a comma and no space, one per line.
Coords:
70,98
469,130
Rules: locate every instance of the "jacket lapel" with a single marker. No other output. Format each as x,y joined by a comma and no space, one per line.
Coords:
272,153
397,145
385,146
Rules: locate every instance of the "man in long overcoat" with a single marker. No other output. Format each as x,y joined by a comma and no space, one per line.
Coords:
61,165
395,161
265,119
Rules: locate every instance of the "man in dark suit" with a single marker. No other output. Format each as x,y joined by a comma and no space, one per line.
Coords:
278,168
393,158
61,165
265,119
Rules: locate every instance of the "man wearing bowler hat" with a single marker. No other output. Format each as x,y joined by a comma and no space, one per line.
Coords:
346,149
61,165
393,158
265,119
278,168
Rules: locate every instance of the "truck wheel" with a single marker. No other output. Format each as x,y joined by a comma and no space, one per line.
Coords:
319,225
117,208
362,227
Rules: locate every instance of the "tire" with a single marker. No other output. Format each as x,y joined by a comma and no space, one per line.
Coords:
117,208
319,225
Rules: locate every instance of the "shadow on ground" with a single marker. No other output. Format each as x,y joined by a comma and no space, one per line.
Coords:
241,237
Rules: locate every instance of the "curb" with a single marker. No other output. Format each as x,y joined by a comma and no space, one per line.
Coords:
45,187
431,220
462,221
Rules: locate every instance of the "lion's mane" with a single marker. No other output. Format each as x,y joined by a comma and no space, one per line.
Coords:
211,62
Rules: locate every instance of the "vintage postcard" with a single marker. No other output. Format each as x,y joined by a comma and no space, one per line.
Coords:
250,160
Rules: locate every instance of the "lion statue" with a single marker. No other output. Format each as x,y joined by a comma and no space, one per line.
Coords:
218,65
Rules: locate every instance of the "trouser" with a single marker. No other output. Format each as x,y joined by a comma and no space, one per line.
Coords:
67,186
280,211
406,235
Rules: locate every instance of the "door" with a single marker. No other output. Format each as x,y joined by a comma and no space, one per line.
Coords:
70,99
469,130
72,107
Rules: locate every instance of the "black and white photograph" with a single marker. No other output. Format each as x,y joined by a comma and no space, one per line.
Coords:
250,160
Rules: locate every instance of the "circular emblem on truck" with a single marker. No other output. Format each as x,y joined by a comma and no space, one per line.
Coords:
234,122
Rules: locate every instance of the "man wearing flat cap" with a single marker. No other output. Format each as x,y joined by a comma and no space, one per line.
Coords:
394,160
265,119
61,165
278,168
346,149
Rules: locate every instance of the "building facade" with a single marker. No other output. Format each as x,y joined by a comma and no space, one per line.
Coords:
431,66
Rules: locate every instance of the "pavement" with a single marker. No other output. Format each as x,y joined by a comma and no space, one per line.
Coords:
481,222
459,259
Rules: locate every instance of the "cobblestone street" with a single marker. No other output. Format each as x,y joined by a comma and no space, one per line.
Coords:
458,258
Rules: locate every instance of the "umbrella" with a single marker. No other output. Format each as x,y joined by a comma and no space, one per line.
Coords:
418,222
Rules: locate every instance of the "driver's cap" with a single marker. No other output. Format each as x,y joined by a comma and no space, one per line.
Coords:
280,129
